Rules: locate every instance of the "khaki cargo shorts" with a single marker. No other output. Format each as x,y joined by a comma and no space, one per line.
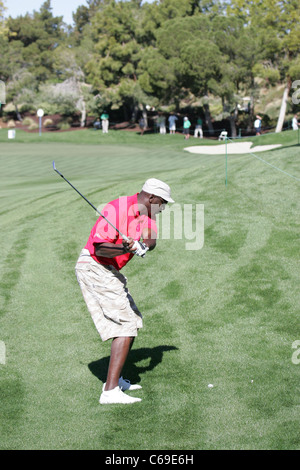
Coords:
107,298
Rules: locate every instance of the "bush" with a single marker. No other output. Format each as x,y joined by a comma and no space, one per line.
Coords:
63,125
27,107
28,121
48,122
33,126
60,98
9,108
9,112
11,123
48,107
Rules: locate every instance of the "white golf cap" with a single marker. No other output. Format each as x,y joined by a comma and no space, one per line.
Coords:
158,188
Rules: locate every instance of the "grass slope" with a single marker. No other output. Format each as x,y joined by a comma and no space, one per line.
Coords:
226,314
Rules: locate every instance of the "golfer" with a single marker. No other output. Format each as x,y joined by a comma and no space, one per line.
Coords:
104,289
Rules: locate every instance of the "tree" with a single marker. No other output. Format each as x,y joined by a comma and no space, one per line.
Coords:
237,62
3,28
116,51
3,43
68,70
65,98
157,76
21,89
276,24
81,19
37,36
175,68
157,13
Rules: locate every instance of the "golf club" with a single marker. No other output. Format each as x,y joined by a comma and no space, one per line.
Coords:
122,235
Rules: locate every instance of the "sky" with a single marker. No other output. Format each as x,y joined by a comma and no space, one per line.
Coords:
63,8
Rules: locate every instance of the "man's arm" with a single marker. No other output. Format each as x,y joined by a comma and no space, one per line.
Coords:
111,250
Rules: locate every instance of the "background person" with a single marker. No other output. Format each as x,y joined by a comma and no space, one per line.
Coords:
186,127
104,288
162,124
295,123
172,123
142,125
198,129
97,124
105,122
257,125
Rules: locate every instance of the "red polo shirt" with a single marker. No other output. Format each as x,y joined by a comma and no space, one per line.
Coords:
124,214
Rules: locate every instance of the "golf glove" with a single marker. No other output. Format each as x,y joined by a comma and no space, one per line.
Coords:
140,249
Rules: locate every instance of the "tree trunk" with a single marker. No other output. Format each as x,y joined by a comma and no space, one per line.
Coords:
232,120
282,112
208,118
232,126
134,112
81,106
251,114
145,117
19,117
83,114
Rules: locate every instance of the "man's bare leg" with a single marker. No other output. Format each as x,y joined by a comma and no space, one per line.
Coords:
120,348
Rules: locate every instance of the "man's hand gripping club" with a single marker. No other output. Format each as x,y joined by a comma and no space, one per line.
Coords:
136,247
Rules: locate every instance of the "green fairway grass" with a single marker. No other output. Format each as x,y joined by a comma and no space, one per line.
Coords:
226,314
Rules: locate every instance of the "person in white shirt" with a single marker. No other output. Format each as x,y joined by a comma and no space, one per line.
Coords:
198,129
105,122
257,125
295,123
162,124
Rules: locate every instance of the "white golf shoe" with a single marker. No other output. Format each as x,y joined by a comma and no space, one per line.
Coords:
116,396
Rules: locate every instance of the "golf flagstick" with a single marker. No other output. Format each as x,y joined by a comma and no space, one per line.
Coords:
59,173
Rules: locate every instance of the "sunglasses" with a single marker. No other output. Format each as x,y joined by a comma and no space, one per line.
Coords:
162,201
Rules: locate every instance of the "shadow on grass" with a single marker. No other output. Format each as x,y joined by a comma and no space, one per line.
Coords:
283,147
132,370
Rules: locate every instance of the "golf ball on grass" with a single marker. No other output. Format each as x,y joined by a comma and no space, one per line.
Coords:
210,385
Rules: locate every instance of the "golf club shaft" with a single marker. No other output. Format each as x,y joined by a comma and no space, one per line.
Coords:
58,172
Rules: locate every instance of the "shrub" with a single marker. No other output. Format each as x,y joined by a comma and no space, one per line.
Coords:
60,98
9,108
28,121
63,125
11,123
48,122
33,126
27,107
